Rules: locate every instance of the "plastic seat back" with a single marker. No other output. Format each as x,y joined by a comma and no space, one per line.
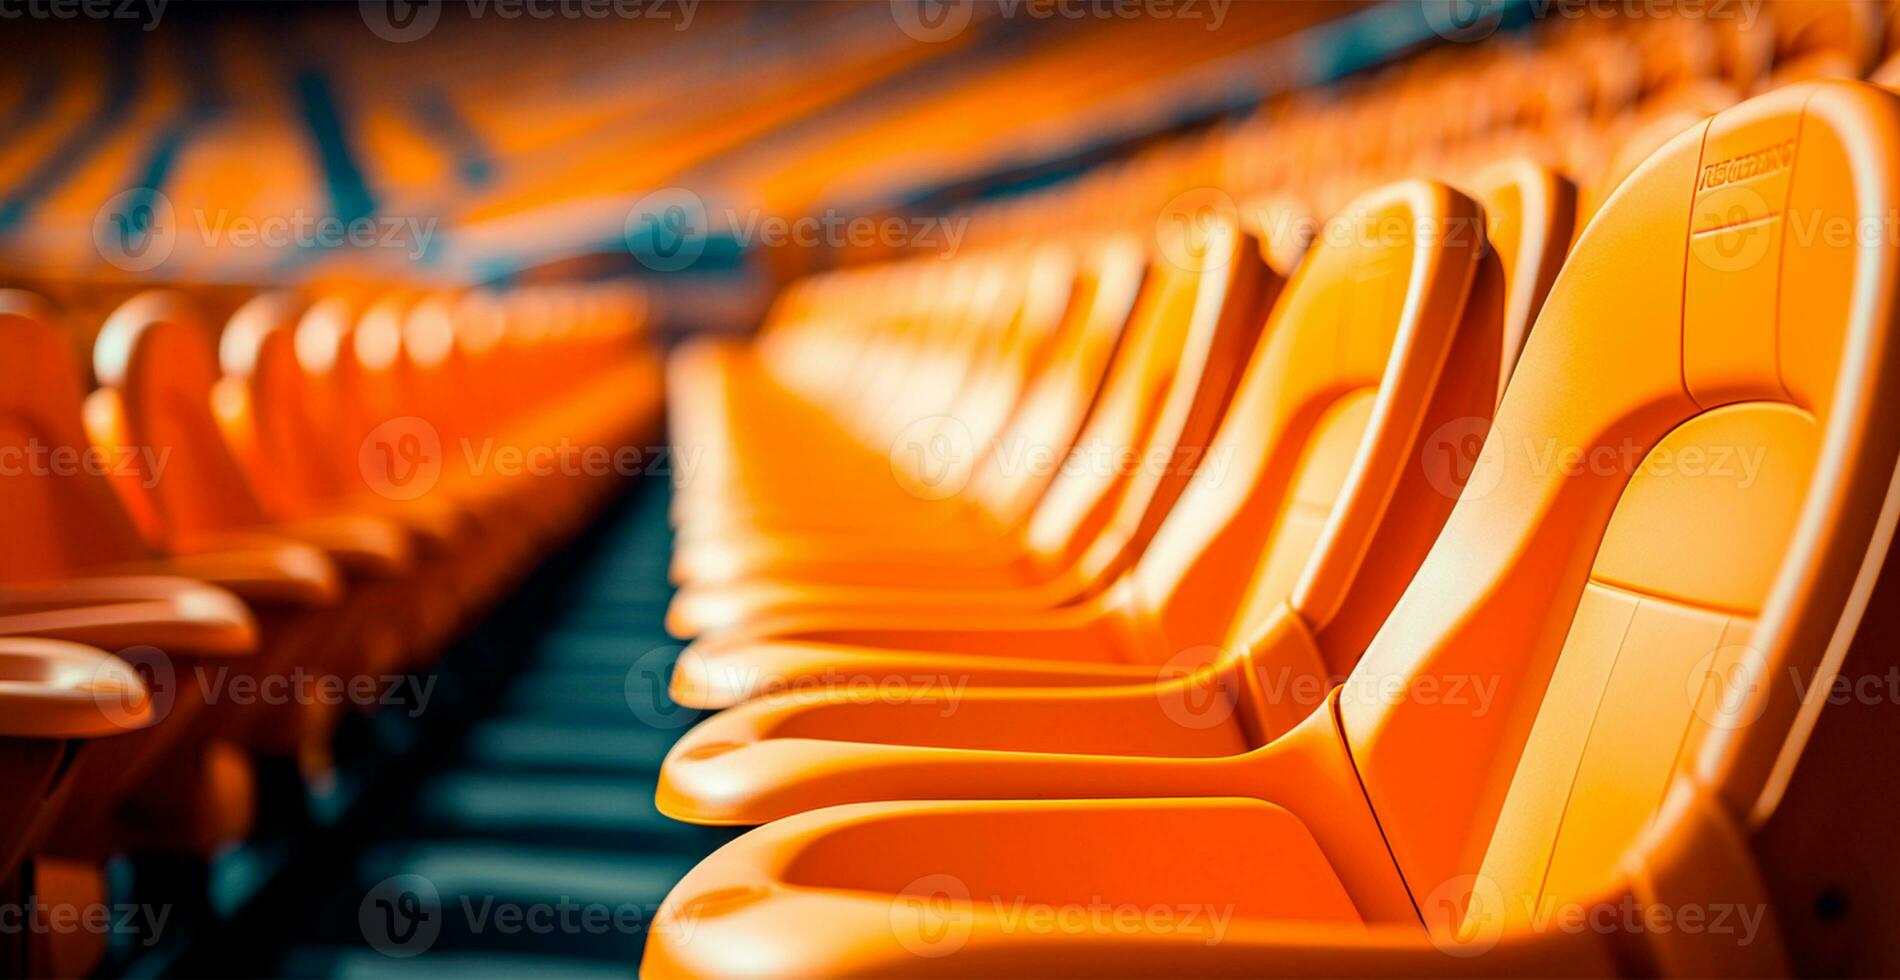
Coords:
156,369
58,513
264,406
1056,404
430,362
1654,126
1529,212
1817,39
475,367
954,334
375,372
323,342
1286,226
1327,418
1887,73
1194,325
1038,295
1683,489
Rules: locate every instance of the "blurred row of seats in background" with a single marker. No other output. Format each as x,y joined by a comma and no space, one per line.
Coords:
1588,90
246,114
1300,549
245,538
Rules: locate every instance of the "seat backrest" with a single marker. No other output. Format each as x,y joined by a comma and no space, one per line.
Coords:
323,340
156,366
439,388
1327,417
960,334
1745,51
1286,226
476,366
388,362
58,513
1527,219
265,406
1529,213
1194,325
1684,484
858,331
1816,39
1887,73
1057,403
1651,127
375,370
1038,293
1674,51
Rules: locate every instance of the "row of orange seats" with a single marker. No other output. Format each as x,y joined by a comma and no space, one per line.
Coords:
244,532
1453,598
1582,92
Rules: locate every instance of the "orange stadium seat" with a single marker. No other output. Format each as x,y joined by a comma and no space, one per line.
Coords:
58,698
1051,413
1175,372
1377,489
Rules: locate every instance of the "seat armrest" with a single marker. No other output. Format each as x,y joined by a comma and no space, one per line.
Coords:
261,569
718,674
766,759
181,616
50,689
